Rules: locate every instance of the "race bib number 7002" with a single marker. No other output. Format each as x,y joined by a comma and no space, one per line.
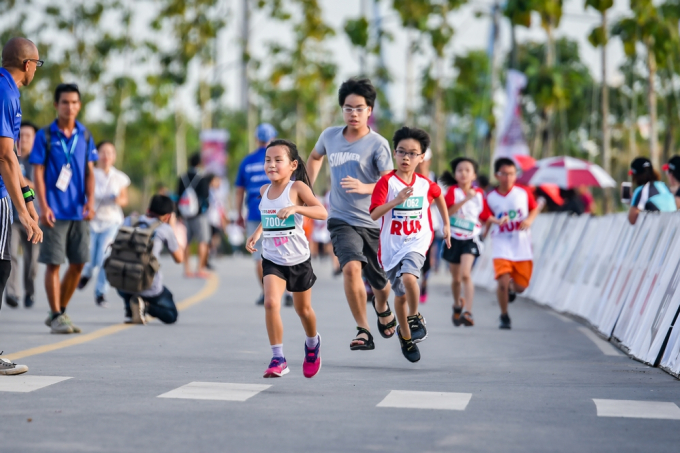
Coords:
273,227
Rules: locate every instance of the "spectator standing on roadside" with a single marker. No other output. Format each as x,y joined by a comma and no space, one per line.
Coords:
19,237
63,158
110,196
250,178
193,190
672,169
650,193
20,59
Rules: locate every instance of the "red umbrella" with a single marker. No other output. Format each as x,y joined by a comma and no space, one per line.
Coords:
567,172
524,162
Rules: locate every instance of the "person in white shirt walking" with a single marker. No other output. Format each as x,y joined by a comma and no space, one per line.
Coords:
110,196
402,198
514,209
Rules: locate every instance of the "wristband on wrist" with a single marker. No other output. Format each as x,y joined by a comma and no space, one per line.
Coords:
29,194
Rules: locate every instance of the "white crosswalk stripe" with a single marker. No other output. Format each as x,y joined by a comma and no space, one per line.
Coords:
215,391
426,400
27,382
637,409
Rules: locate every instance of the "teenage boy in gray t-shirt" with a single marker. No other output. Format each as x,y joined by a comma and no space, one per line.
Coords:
358,157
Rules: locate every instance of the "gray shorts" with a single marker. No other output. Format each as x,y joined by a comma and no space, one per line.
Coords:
67,239
198,229
251,226
352,243
412,263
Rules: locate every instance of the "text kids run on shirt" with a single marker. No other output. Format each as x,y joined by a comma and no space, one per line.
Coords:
402,199
286,261
467,210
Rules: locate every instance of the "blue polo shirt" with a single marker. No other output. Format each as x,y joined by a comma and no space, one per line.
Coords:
10,113
66,205
251,177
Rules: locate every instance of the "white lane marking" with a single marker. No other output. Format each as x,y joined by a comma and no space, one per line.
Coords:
215,391
25,383
637,409
606,347
426,400
560,317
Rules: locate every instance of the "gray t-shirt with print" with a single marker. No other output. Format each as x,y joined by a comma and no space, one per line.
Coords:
163,236
364,160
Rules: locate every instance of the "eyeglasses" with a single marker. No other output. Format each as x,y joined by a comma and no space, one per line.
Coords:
506,174
350,110
402,153
38,63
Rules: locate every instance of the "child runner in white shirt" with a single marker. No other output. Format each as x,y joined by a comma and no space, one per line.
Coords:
403,198
286,261
468,209
514,209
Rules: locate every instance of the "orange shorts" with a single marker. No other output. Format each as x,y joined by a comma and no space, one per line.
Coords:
520,271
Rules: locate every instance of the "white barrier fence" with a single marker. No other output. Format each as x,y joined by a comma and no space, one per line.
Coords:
620,279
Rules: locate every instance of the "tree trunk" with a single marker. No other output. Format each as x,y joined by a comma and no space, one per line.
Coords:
514,64
410,77
669,136
549,111
204,96
121,126
439,122
651,99
606,140
300,132
180,136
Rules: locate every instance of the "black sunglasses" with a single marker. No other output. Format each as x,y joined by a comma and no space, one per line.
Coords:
38,63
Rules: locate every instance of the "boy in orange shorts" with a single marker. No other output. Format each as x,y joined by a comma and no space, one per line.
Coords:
514,209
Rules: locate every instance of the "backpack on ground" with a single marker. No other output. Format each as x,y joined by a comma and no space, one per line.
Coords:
188,202
132,266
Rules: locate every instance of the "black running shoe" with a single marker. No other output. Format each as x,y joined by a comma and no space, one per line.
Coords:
505,322
11,301
260,300
100,300
29,301
417,325
83,282
456,316
511,296
408,348
288,300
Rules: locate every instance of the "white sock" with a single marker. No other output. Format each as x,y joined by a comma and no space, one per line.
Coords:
311,342
277,350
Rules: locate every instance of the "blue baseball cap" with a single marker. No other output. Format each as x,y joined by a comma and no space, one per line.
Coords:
265,132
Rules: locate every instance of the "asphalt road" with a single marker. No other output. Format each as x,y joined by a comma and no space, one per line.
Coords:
533,388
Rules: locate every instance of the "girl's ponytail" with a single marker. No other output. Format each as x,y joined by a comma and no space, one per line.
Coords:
300,173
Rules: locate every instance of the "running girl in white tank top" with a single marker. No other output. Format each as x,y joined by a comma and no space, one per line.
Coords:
286,262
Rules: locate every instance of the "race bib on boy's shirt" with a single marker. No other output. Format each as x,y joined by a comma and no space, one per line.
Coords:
509,241
466,223
408,226
273,227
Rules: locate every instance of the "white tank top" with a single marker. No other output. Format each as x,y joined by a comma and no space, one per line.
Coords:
284,241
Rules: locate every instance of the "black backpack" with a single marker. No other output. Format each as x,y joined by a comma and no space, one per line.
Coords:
132,266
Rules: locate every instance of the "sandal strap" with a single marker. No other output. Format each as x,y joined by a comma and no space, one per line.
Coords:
362,330
384,314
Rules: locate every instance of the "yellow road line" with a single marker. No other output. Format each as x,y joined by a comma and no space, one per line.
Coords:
208,290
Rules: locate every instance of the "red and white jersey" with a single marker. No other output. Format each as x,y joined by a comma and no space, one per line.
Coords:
466,223
509,242
407,227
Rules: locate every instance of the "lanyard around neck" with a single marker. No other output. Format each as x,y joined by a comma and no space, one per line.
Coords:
69,153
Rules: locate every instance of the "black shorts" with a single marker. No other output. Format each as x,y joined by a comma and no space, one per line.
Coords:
299,278
351,243
459,248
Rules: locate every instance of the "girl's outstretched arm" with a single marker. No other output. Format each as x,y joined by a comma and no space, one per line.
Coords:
312,206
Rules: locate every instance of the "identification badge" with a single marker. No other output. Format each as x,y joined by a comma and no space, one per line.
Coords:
462,224
273,227
410,209
64,178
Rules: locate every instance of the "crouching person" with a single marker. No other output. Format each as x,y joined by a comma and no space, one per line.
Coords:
133,268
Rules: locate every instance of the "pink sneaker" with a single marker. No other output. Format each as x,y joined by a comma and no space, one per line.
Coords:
312,363
277,368
423,298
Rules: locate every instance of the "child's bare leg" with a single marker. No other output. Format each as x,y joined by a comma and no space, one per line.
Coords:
455,283
412,293
303,307
401,309
274,288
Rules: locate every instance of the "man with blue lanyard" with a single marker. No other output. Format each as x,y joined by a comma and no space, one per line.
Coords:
63,158
251,177
19,61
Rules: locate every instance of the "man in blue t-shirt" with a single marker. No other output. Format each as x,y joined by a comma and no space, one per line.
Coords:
63,163
251,177
20,59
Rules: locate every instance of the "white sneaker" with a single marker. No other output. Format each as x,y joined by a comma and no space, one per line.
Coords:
138,309
75,328
8,368
60,324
